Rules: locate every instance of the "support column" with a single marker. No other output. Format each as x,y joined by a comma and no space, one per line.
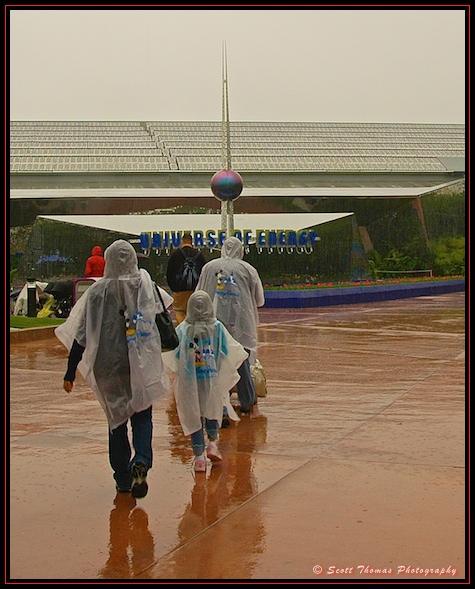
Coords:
31,297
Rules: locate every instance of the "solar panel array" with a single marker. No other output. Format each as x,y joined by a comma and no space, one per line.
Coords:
120,146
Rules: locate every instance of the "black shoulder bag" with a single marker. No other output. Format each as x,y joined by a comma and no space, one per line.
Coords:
166,328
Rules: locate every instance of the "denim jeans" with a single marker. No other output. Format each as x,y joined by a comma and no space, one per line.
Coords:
198,438
120,453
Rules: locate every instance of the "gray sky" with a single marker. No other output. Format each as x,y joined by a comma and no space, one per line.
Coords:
287,64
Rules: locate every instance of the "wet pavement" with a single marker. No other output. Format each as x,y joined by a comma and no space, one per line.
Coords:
355,471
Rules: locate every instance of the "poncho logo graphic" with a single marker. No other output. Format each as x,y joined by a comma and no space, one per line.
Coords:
225,285
205,364
136,326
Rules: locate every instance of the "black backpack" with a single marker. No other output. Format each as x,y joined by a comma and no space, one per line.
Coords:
187,277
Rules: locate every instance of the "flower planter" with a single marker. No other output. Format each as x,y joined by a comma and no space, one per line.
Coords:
318,297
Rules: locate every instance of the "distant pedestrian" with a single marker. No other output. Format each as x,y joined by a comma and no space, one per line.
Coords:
95,263
115,343
205,364
237,291
183,270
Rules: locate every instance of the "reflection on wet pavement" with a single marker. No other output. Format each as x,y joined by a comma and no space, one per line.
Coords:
131,545
362,399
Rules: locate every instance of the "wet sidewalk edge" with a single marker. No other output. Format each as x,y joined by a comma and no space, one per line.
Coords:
307,298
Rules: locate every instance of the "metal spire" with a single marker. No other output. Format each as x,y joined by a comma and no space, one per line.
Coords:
226,136
227,207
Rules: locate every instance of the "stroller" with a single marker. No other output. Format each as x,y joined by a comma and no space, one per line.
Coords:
14,294
62,293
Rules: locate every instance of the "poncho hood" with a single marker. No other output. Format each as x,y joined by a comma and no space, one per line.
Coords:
200,308
232,248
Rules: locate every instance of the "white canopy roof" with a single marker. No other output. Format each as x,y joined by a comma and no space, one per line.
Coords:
188,193
137,224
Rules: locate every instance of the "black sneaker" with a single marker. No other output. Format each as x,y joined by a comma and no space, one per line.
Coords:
226,421
139,480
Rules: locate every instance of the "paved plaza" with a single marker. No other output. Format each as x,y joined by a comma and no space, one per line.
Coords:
355,471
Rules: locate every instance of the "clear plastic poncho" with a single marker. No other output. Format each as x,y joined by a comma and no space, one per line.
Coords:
236,290
115,321
205,365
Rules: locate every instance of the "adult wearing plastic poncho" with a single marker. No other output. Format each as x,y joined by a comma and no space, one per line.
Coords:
114,341
236,290
205,365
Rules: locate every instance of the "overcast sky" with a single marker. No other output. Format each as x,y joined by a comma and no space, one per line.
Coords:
284,64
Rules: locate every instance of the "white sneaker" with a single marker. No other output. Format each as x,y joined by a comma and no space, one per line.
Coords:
213,453
199,463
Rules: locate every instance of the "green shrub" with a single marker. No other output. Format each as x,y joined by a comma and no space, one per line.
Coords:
448,256
395,261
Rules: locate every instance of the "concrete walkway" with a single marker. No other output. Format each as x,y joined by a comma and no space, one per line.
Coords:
356,471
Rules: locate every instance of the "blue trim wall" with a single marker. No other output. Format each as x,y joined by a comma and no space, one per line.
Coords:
358,294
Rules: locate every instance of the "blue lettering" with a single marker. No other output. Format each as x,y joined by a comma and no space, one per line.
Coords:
302,238
264,238
156,241
292,239
145,241
176,239
221,237
313,237
198,241
261,238
211,238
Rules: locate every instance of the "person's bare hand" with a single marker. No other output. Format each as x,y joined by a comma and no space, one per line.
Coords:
68,386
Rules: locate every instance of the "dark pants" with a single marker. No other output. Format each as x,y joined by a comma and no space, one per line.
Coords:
245,386
120,453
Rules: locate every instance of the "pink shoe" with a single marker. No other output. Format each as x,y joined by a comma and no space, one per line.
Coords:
199,463
213,453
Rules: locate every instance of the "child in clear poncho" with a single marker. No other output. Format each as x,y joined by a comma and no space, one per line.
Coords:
205,366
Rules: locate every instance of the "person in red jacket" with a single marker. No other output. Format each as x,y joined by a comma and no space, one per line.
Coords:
95,263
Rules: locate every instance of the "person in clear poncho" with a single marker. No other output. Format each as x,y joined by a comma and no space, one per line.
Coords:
205,366
236,289
115,343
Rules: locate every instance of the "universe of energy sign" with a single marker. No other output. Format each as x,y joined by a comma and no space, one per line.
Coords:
270,240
